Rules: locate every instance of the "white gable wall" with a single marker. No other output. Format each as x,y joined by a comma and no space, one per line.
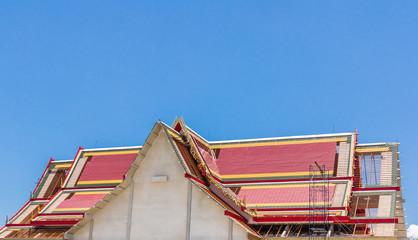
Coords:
83,233
160,209
111,222
208,220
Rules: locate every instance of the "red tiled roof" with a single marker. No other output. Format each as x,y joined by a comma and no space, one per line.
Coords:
280,195
83,200
276,158
107,167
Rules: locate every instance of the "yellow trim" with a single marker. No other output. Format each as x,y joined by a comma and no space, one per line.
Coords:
299,212
258,144
268,175
175,136
280,204
100,182
282,186
109,153
70,209
87,193
63,216
215,173
367,150
172,133
62,165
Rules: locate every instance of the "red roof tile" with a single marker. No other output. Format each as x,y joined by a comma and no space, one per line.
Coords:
83,200
107,167
280,195
275,159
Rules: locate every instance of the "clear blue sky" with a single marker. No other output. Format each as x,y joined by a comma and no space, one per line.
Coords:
101,73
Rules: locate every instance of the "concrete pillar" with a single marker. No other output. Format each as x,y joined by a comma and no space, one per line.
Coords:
189,210
230,229
91,225
131,200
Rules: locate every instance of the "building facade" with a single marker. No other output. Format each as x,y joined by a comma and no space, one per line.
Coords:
180,186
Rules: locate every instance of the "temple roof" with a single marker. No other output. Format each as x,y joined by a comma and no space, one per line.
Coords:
69,188
256,181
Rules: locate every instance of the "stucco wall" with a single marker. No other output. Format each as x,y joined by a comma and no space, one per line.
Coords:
83,233
160,209
110,223
208,220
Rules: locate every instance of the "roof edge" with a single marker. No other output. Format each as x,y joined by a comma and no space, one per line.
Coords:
279,138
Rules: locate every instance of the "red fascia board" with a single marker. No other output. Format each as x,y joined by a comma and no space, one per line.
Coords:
284,180
340,219
53,223
376,189
39,199
20,210
294,209
18,225
374,220
235,216
43,174
195,179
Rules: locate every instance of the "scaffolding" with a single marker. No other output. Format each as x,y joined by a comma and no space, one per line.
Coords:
319,226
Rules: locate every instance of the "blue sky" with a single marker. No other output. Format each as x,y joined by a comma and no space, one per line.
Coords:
101,73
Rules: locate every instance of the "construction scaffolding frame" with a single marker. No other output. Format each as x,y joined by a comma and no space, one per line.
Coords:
319,226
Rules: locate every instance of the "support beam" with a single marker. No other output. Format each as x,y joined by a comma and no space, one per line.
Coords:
89,217
189,210
230,229
130,204
284,234
330,231
278,231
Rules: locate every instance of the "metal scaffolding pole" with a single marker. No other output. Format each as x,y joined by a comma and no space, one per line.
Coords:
318,202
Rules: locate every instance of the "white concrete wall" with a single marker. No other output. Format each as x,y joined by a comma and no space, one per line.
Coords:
83,233
208,220
160,209
111,222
